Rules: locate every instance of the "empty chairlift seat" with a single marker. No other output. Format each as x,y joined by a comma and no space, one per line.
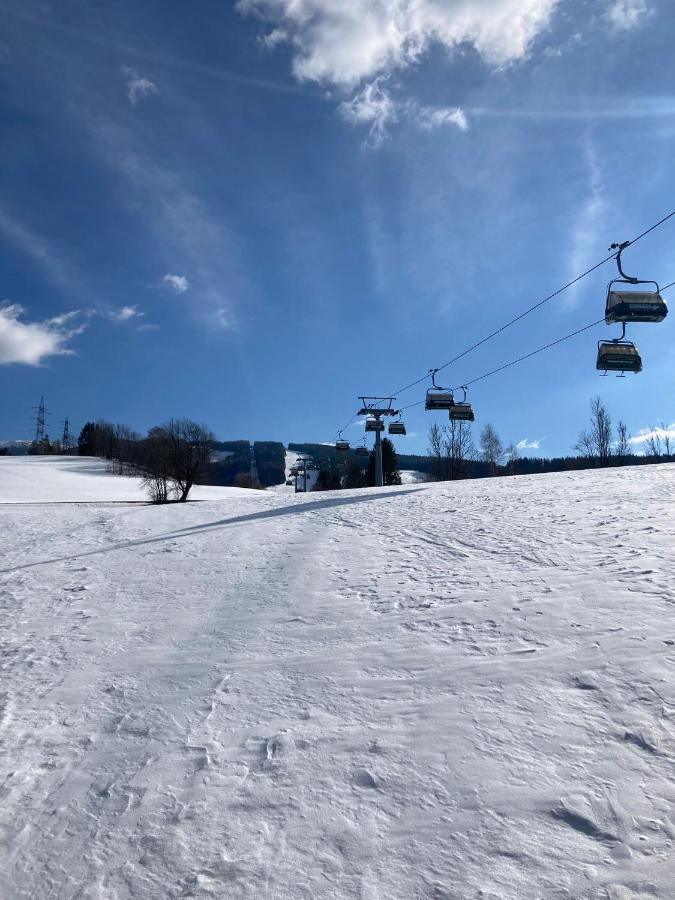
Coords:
438,399
461,412
397,428
342,446
362,451
618,356
634,306
374,424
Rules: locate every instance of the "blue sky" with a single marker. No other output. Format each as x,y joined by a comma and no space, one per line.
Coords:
251,213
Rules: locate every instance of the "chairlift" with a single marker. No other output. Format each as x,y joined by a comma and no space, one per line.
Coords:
362,451
632,305
618,356
341,446
397,427
438,397
374,424
324,464
462,411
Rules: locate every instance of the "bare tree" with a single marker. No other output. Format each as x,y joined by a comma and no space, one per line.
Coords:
622,441
176,456
458,447
156,465
189,446
491,448
597,443
667,440
437,452
654,442
511,458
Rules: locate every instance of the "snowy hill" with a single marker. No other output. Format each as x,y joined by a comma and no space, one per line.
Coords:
441,691
79,479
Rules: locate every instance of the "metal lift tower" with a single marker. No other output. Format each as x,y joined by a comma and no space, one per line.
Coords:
40,421
378,408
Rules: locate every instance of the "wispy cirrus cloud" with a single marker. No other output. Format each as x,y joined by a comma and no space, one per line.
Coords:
138,87
179,219
31,342
33,245
588,221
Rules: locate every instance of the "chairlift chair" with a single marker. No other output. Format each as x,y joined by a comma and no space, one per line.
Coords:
462,411
632,305
374,424
341,446
362,451
397,428
438,397
618,356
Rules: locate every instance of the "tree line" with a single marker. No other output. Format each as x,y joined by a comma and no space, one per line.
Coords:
355,473
453,455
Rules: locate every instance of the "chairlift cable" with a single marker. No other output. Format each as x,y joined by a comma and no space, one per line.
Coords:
515,361
537,305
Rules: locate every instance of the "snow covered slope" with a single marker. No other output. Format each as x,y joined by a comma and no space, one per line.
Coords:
291,462
77,479
447,691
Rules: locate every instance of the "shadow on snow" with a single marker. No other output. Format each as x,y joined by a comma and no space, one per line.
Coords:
220,523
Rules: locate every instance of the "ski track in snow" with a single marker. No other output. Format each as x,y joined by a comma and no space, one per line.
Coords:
448,691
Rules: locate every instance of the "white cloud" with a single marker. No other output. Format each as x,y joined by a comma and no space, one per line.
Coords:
660,433
351,41
124,313
375,107
527,445
32,342
179,283
430,118
625,15
372,106
356,45
137,86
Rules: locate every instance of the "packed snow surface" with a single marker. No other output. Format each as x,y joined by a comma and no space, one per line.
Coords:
76,479
442,691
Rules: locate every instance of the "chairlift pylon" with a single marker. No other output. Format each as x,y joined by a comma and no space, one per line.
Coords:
623,306
438,397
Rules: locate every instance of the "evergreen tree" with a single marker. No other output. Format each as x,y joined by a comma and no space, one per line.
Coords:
390,473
